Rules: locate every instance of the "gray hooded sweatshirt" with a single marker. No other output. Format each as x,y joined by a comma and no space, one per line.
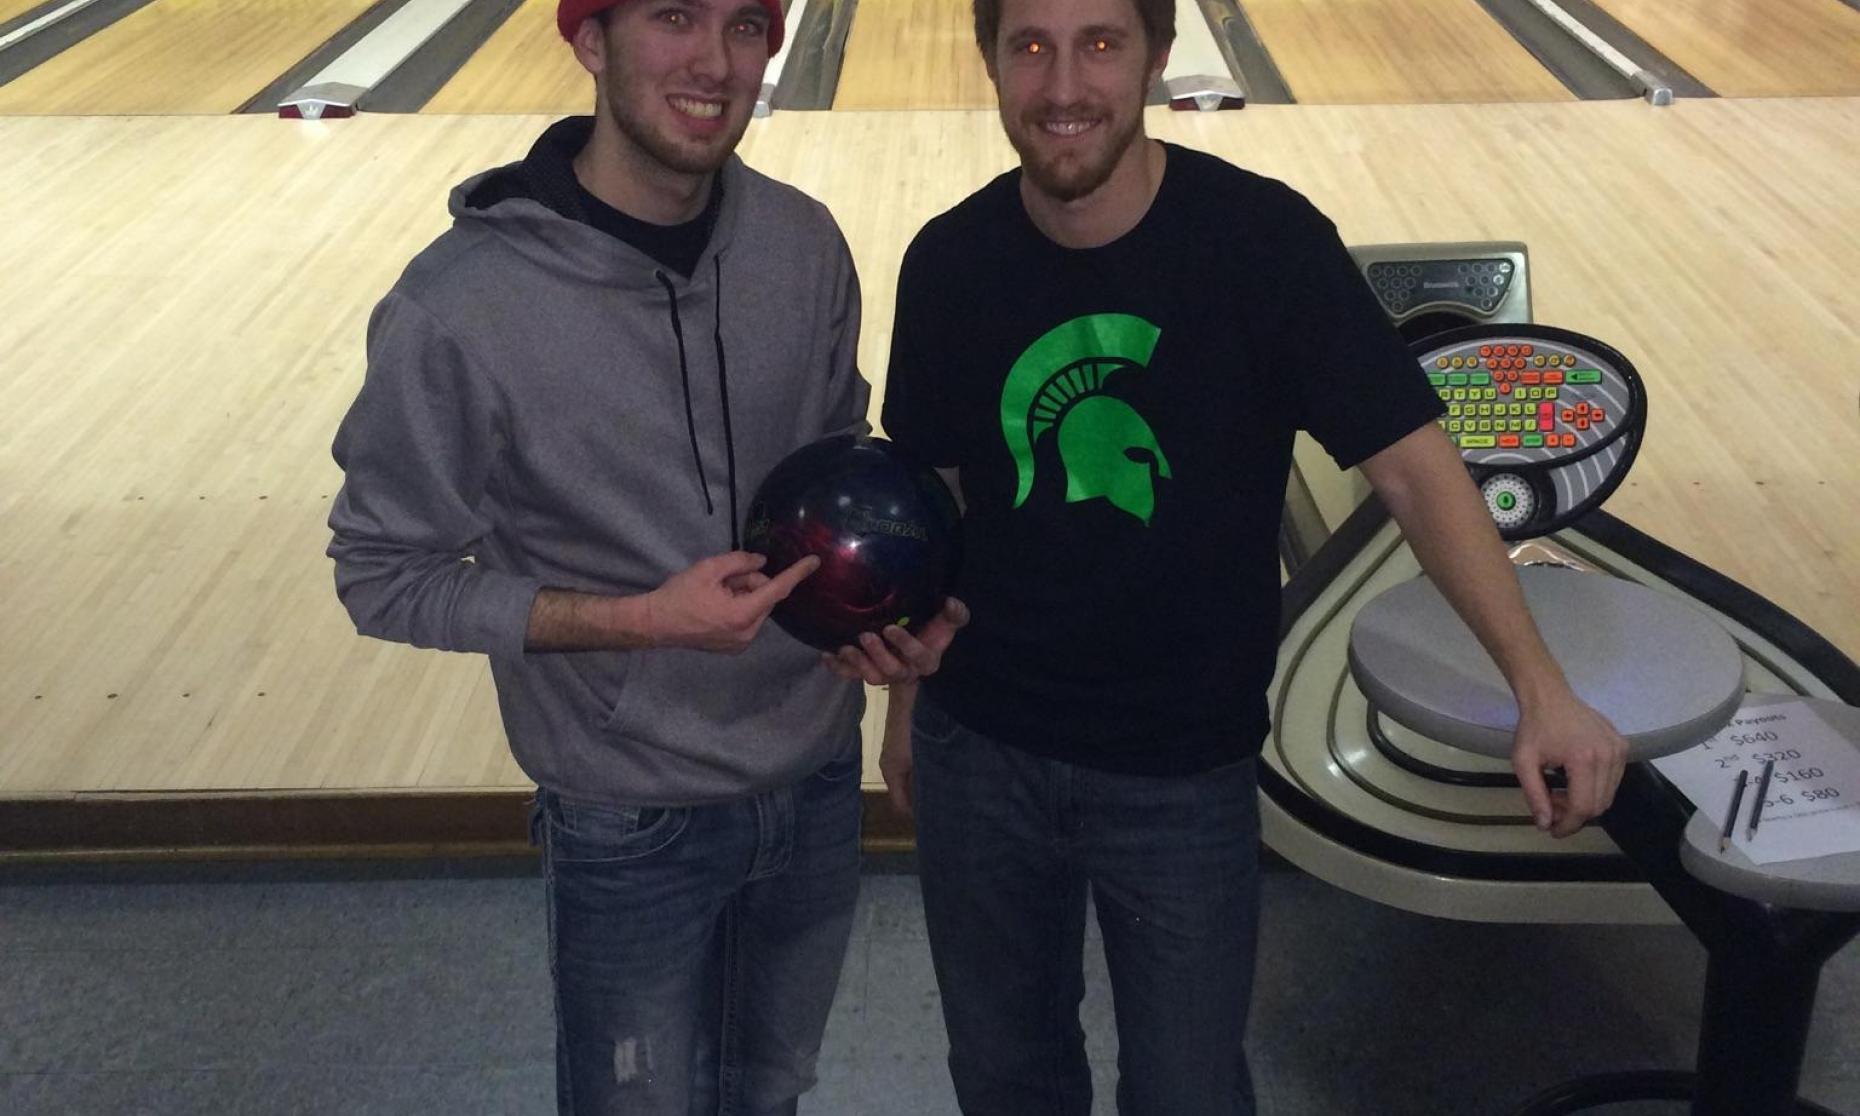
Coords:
545,406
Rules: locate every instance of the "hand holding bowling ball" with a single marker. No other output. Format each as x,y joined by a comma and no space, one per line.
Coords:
885,528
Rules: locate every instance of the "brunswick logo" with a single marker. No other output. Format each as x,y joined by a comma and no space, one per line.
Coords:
1058,384
862,520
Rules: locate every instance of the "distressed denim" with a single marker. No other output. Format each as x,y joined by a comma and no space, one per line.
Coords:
695,950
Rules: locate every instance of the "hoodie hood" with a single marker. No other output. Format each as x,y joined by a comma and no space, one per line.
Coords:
535,207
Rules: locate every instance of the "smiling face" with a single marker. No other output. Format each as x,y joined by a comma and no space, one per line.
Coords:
678,78
1071,77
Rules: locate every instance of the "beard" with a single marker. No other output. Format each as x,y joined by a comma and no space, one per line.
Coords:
1073,174
686,156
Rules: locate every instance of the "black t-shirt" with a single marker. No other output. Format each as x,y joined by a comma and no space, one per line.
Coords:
1122,418
673,246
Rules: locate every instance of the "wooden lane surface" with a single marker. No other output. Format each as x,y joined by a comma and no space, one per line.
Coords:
1754,48
913,54
180,56
177,362
11,8
524,67
1397,52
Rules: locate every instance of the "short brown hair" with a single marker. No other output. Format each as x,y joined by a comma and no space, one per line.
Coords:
1158,18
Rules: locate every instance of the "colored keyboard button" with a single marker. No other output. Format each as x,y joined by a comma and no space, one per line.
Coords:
1504,389
1485,350
1533,377
1598,415
1584,376
1528,349
1553,377
1508,441
1438,379
1476,441
1582,422
1479,378
1457,379
1533,441
1441,363
1568,415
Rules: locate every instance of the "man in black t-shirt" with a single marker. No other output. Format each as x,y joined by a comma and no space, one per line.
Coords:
1109,351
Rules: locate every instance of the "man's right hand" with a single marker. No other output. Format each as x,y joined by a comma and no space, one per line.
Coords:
720,603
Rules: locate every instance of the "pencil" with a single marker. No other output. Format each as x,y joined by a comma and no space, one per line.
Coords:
1730,819
1763,792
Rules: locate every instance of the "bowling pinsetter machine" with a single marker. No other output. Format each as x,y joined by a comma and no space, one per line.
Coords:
1387,772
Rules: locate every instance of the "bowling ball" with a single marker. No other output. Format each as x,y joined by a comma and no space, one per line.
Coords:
883,524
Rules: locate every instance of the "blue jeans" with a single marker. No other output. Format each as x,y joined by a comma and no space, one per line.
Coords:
1007,844
695,950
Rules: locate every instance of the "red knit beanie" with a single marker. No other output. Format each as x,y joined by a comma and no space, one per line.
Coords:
570,13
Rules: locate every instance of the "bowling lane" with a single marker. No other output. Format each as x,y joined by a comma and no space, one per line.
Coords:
913,54
1754,48
179,57
11,8
524,67
1398,52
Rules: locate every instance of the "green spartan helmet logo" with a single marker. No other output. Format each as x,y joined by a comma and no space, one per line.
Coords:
1059,382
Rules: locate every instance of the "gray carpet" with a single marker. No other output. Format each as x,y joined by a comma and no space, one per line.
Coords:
294,989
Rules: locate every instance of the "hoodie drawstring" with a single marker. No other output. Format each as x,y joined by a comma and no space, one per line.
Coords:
723,389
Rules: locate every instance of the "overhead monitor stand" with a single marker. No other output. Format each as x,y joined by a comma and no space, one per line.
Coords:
1548,422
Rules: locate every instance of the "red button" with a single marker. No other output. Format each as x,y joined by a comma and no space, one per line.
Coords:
1544,425
1529,349
1504,389
1485,350
1507,441
1569,415
1553,377
1582,422
1533,377
1569,441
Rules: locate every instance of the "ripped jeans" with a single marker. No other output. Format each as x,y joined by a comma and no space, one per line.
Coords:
695,950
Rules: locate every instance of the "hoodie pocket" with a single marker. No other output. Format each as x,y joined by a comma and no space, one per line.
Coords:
606,679
689,698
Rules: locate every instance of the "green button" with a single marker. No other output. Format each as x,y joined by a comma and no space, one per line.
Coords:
1438,379
1507,501
1479,378
1457,379
1478,441
1583,376
1533,441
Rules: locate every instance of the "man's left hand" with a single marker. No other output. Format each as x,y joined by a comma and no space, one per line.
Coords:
1566,733
900,656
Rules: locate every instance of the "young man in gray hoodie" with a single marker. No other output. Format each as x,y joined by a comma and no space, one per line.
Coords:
569,396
